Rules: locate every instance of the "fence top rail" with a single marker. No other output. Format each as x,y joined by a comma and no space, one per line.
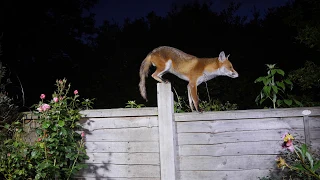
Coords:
116,112
248,114
121,112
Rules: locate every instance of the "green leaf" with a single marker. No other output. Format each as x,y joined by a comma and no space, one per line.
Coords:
304,149
288,102
279,102
266,82
316,166
281,84
266,90
61,123
38,131
63,132
300,152
310,159
262,100
280,71
34,154
288,81
273,71
298,102
300,167
259,79
45,124
275,89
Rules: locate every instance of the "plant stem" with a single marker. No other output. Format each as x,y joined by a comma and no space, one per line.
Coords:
74,162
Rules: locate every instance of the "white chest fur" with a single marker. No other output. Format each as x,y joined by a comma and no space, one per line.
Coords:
206,76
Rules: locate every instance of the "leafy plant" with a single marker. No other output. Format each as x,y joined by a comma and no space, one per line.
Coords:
133,104
303,164
59,151
274,90
211,105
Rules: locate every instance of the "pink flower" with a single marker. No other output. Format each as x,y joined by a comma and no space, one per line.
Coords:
8,154
43,107
82,134
60,81
42,96
288,145
55,99
75,92
60,98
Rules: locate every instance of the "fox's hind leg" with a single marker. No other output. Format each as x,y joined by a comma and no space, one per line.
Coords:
162,68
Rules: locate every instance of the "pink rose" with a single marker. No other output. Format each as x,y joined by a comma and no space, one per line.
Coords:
82,134
55,99
42,96
75,92
43,107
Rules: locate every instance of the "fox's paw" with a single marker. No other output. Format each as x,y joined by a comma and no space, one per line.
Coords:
166,81
200,110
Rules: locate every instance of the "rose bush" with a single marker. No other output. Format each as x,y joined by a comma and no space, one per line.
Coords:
59,150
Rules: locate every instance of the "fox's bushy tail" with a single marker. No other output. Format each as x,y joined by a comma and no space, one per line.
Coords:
144,71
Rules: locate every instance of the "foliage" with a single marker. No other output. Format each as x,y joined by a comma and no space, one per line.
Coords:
273,88
304,15
211,105
133,104
307,78
299,162
59,151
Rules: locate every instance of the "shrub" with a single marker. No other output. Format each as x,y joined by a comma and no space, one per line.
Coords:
59,151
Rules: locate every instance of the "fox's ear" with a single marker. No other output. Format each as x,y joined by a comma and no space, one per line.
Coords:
222,56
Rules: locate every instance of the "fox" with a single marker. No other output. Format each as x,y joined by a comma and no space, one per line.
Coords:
187,67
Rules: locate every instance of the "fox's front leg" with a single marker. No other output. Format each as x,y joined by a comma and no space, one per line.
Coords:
192,92
190,98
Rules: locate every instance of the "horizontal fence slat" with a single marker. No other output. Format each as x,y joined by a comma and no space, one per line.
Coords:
315,134
240,125
120,171
103,178
151,147
128,134
121,112
246,114
314,122
92,124
124,158
238,136
230,149
253,174
227,163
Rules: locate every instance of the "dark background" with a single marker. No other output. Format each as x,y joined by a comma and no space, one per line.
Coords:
101,54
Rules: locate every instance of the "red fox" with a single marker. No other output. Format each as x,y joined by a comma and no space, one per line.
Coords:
187,67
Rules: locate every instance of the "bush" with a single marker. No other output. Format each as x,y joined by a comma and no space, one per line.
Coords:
59,151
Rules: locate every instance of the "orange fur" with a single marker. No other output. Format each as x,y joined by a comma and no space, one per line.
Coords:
188,67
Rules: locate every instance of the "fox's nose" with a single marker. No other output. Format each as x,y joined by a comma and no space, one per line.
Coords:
234,74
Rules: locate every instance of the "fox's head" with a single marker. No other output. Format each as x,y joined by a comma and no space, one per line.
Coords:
226,68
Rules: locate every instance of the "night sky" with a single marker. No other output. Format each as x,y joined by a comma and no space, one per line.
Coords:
118,10
105,65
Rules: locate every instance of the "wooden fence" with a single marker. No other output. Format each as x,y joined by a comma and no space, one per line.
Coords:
156,143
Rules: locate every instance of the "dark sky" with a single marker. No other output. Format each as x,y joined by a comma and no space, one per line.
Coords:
120,9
